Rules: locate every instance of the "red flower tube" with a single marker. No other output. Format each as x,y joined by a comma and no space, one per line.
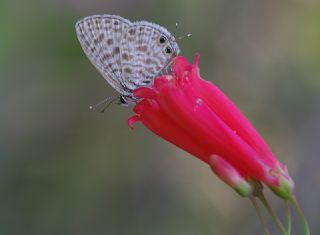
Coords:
196,116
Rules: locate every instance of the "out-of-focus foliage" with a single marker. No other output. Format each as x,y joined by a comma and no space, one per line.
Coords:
67,170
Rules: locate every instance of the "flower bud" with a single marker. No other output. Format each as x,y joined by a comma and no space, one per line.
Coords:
285,185
227,173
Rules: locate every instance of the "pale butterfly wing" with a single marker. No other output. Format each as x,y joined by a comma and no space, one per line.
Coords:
146,51
128,55
100,37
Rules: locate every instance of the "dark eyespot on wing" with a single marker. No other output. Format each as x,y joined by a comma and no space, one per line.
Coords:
168,50
162,39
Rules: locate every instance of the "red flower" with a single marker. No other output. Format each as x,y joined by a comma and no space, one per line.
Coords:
196,116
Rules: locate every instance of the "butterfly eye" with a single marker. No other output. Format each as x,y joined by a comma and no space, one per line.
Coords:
168,50
162,39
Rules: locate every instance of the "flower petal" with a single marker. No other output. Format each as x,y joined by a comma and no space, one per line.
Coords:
196,116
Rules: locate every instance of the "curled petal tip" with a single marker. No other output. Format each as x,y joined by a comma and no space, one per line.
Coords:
132,120
196,60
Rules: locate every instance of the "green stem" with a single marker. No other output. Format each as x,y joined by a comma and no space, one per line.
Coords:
273,215
295,204
288,216
256,207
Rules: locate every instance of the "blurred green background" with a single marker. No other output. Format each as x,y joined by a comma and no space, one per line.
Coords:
67,170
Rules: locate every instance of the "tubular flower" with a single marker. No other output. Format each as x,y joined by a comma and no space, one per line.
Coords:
196,116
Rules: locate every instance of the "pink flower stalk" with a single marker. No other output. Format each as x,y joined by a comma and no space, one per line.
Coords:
196,116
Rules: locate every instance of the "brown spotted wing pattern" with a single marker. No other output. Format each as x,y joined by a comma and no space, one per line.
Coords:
100,38
128,55
146,50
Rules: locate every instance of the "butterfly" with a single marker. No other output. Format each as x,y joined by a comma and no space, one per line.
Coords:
127,54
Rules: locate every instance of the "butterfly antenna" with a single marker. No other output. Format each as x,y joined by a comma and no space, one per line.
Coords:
182,37
111,99
107,105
